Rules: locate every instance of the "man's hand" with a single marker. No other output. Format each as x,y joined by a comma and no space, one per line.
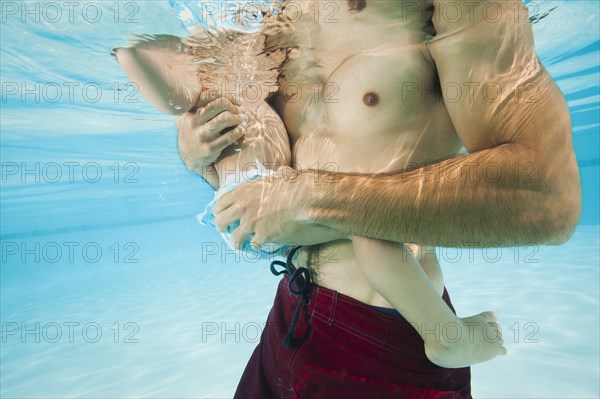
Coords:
268,207
205,132
274,209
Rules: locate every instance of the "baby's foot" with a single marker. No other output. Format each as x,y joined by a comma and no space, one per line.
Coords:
469,341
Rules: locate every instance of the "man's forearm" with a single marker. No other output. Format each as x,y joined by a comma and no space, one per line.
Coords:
499,196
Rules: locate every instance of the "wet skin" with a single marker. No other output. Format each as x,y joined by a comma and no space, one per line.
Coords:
374,62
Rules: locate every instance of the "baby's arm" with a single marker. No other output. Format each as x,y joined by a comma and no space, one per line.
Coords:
449,341
161,74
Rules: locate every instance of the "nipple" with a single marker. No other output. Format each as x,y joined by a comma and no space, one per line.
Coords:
371,99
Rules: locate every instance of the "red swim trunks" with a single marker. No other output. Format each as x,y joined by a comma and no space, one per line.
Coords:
343,348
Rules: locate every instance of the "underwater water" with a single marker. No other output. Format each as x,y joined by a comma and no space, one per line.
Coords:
110,288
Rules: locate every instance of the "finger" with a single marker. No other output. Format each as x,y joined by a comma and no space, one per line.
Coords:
494,327
213,129
228,138
217,106
185,122
239,235
490,316
499,340
212,109
257,242
234,98
227,218
503,351
493,333
226,200
208,96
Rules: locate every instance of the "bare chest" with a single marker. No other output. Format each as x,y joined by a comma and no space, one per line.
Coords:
364,96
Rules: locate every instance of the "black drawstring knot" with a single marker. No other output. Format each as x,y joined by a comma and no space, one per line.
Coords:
301,279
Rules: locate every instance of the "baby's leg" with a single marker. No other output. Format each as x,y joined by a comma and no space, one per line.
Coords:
449,341
265,141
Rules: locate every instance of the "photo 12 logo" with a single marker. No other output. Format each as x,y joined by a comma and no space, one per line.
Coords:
53,12
68,172
68,252
68,331
69,92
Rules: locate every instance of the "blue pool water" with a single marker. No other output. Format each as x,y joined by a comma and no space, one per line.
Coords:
109,287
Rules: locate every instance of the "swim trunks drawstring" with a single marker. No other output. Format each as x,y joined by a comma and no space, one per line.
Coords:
301,278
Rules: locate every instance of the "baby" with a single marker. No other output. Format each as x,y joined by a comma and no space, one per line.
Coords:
256,143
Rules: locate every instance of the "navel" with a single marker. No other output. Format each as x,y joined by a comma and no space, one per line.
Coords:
357,5
371,99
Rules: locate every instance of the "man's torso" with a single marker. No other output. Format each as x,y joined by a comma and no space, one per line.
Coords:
364,98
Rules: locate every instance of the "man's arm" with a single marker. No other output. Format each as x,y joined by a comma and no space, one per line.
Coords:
518,185
520,182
